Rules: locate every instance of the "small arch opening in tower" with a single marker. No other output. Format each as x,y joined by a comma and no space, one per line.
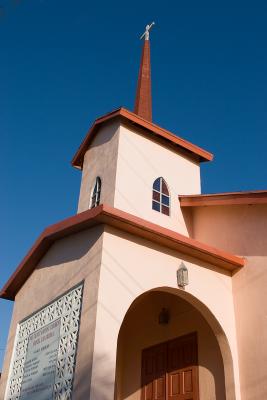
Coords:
96,193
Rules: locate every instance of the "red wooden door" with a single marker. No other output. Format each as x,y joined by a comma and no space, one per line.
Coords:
169,370
154,366
182,371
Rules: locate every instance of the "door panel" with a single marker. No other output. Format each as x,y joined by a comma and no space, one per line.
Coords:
174,385
159,388
182,363
188,381
154,365
169,370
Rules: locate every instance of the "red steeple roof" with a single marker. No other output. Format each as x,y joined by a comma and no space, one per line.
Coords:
143,101
149,129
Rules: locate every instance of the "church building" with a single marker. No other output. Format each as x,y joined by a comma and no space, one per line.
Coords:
152,291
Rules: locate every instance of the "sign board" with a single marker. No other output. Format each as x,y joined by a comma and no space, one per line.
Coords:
40,364
44,353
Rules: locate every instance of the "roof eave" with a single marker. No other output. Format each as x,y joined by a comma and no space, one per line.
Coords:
223,199
104,214
157,131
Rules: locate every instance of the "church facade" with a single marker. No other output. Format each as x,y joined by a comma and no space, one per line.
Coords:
152,291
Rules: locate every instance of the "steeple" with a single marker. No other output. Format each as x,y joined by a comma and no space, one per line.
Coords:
143,101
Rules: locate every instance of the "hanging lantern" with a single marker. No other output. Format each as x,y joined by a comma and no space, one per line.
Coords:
182,276
164,317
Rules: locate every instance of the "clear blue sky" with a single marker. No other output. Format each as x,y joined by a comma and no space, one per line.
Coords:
64,63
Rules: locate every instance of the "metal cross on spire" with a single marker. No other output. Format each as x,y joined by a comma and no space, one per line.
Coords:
146,33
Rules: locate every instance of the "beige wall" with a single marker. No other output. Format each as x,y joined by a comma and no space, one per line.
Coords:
141,329
239,229
243,230
67,262
131,267
115,276
140,162
100,160
128,163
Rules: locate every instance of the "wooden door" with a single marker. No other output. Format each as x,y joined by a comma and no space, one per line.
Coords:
182,370
169,370
154,366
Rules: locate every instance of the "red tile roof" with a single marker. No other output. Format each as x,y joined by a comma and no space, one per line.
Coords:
149,129
104,214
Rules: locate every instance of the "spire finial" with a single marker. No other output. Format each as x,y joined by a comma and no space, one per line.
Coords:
143,101
146,33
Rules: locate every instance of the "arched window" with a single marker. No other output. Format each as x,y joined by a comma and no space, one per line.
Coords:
95,198
161,197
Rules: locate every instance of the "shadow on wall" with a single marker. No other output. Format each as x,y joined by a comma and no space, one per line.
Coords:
162,249
141,330
70,259
240,229
71,248
102,384
106,135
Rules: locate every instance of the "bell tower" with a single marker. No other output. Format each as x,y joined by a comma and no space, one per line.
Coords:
128,153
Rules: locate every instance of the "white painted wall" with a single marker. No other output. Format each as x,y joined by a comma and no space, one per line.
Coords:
243,231
118,268
131,267
140,162
128,164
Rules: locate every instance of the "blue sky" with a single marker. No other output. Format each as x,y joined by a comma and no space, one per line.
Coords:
65,63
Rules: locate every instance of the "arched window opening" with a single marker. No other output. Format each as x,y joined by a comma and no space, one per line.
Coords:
95,198
161,197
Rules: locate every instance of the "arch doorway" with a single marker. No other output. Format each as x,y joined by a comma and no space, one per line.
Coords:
167,351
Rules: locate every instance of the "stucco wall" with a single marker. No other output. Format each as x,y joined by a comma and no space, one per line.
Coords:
141,329
243,230
140,162
100,160
131,267
128,163
68,262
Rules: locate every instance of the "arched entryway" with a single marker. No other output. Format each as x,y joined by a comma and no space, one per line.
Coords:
145,331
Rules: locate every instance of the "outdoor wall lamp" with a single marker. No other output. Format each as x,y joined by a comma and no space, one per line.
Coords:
182,276
164,317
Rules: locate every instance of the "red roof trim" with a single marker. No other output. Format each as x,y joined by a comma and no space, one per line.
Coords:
155,130
223,199
104,214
